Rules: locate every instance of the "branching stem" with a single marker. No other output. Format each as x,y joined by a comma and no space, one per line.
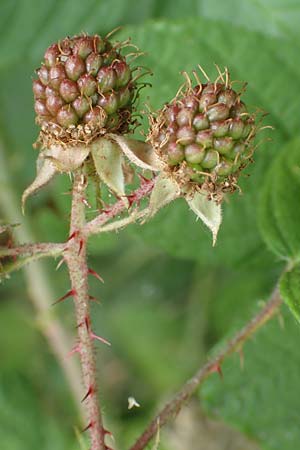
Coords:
235,344
95,225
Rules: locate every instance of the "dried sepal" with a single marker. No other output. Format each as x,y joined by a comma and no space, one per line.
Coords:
108,161
138,152
165,191
66,158
207,210
45,172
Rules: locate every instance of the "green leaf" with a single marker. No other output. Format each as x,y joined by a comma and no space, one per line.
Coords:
108,161
279,211
26,423
290,290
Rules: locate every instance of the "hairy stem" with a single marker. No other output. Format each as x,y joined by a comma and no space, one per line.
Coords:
235,344
95,225
40,291
75,256
41,249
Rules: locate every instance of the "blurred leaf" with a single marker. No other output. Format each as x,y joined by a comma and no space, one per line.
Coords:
280,212
25,423
274,17
261,399
235,293
290,290
14,317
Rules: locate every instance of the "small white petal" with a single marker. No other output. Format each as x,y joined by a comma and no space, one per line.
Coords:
132,403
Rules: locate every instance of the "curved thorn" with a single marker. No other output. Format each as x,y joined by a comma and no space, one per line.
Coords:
70,293
96,275
99,338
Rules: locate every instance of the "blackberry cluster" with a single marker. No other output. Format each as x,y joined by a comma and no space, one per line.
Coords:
204,136
84,89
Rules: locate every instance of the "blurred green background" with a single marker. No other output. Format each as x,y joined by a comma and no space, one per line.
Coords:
169,298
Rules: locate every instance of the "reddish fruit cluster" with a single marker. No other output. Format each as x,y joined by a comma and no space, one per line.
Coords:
205,135
84,88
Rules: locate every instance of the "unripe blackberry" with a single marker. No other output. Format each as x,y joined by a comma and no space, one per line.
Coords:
82,82
204,136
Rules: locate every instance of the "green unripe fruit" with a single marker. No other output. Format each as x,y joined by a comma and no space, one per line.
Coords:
106,78
194,153
223,145
185,135
93,63
236,128
40,108
95,116
206,100
204,138
66,116
123,73
38,89
219,128
87,85
43,75
54,103
185,117
224,168
75,67
57,74
200,122
210,159
83,47
68,90
109,102
81,105
175,153
51,55
218,112
211,127
228,97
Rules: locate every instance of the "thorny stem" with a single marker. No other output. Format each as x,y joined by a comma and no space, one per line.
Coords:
39,289
75,256
214,365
